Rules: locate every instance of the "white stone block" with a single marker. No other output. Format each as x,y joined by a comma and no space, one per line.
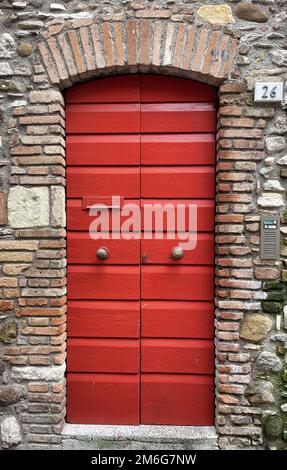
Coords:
28,207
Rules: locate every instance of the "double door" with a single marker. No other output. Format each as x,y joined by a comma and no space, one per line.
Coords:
140,323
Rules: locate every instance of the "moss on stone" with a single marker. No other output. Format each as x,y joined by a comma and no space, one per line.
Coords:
276,296
273,285
273,426
271,307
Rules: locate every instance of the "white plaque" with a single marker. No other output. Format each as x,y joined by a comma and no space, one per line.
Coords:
268,92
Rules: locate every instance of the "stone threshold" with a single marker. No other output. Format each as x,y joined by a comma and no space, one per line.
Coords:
142,437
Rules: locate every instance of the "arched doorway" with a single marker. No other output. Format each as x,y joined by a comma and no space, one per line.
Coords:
140,322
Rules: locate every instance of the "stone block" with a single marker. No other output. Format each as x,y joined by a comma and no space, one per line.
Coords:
255,327
250,12
216,14
268,362
58,206
45,374
10,432
10,394
28,207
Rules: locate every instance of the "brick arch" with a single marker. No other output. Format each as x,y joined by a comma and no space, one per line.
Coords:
89,49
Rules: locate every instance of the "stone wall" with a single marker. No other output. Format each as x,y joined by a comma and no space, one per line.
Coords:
46,47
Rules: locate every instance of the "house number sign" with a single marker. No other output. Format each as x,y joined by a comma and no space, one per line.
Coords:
268,92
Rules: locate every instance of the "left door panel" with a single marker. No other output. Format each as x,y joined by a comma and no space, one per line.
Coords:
103,156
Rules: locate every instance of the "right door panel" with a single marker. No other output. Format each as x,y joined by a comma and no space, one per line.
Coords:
177,167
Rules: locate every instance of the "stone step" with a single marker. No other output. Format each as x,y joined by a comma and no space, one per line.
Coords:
143,437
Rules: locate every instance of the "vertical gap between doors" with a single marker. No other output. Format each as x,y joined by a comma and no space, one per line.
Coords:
140,268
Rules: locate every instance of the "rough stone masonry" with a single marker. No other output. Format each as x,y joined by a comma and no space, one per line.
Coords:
46,47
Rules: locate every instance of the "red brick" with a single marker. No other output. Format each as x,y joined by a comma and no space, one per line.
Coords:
188,50
228,326
37,387
237,122
239,357
3,208
68,56
235,176
84,35
233,48
211,47
145,33
132,42
46,331
231,88
107,44
232,389
245,198
228,399
176,60
95,33
156,48
153,13
119,42
227,336
220,53
199,55
59,358
237,155
39,360
228,347
77,53
57,56
33,150
267,273
230,111
230,218
248,134
50,66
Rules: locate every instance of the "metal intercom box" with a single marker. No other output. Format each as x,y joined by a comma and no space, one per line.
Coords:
270,236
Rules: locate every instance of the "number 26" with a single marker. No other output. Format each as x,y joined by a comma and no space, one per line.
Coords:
267,93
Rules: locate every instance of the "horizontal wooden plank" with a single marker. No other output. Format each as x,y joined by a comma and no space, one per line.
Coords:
166,210
103,149
80,219
103,181
182,356
171,319
103,319
177,399
118,89
176,181
178,149
178,117
102,399
177,283
103,355
102,118
159,88
82,250
103,282
159,251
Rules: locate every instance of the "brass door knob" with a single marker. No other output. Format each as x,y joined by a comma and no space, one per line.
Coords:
102,253
177,253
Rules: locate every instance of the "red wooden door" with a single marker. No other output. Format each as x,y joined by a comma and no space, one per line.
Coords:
140,325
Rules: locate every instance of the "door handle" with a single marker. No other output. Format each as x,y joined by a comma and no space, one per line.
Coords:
177,253
102,253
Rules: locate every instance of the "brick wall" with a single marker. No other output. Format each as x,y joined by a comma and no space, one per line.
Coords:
45,48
